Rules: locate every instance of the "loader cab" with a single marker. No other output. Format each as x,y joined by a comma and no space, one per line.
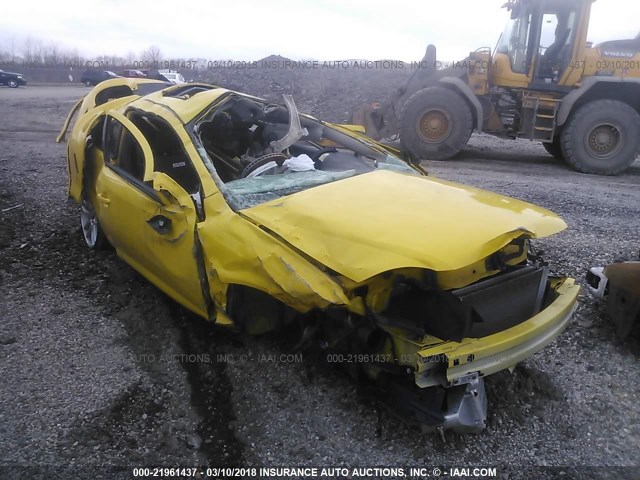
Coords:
540,43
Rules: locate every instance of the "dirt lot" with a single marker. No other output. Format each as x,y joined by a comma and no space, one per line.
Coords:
98,367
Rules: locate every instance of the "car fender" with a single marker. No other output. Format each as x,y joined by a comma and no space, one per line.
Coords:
237,251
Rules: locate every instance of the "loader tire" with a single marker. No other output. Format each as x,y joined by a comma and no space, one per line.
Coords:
435,124
554,148
602,137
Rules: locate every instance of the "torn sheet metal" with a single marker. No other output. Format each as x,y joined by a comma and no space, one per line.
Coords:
242,253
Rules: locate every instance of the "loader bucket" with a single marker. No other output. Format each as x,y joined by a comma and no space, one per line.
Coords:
371,118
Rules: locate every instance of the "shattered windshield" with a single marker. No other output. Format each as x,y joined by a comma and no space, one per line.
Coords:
260,151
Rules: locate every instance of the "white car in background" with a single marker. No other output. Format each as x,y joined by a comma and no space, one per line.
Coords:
173,76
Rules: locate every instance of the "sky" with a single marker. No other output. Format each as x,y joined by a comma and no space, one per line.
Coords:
297,29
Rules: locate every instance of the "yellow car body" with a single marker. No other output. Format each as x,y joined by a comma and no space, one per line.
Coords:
346,253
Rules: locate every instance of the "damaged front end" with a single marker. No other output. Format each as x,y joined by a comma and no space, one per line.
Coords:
429,349
422,285
426,338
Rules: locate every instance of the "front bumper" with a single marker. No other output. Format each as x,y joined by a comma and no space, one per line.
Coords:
479,357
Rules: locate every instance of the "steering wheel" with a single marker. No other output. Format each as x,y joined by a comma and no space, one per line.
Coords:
277,158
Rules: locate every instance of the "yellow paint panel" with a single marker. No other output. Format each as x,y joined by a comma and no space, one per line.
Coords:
237,251
166,259
384,220
67,121
187,109
353,128
76,146
133,83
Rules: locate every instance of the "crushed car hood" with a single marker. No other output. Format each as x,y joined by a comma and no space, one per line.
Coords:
380,221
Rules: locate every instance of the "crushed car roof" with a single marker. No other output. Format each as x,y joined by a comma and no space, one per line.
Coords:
185,100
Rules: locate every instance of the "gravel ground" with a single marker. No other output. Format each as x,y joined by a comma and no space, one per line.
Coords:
100,368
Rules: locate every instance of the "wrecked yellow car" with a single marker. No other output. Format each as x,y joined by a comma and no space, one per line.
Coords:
255,216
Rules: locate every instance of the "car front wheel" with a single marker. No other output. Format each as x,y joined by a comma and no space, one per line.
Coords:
91,231
13,83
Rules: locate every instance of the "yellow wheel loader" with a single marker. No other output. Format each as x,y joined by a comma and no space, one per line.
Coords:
543,82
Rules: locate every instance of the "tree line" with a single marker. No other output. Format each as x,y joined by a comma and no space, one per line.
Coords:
34,52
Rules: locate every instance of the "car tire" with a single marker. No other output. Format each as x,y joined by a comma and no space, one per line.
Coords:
435,124
13,84
87,83
554,148
602,137
92,233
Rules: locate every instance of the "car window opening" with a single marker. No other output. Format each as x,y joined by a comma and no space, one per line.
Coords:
121,91
265,148
124,151
186,92
169,155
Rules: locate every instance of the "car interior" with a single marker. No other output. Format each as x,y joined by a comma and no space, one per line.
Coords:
169,155
243,136
125,153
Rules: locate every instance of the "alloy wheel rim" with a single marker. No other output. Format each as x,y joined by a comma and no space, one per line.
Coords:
89,224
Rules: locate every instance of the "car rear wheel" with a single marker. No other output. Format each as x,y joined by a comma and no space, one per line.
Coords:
601,137
91,231
13,83
435,124
87,83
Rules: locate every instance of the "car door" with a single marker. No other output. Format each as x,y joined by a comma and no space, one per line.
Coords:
147,217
